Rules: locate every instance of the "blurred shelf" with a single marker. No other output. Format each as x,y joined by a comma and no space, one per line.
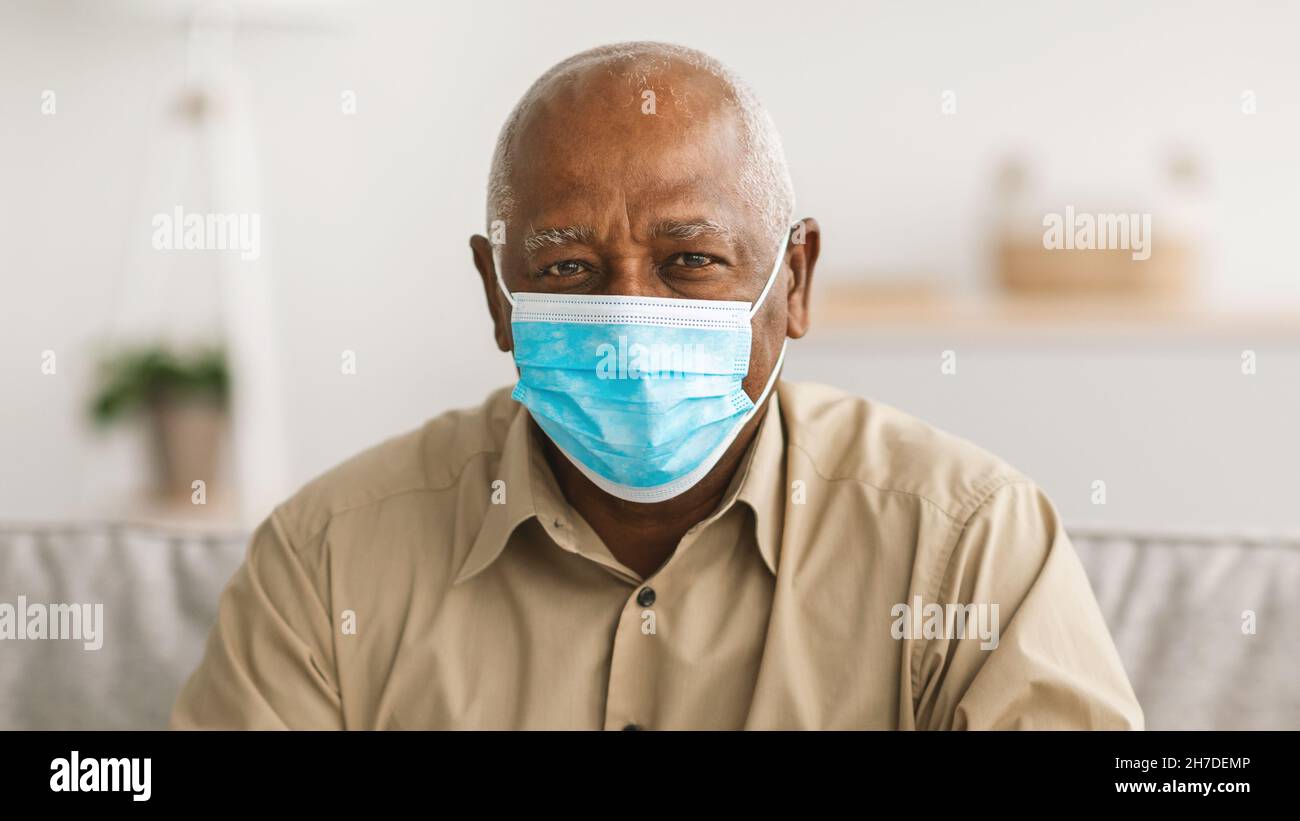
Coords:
904,308
152,512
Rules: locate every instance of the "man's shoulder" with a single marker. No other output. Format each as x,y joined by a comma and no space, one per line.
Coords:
848,437
429,459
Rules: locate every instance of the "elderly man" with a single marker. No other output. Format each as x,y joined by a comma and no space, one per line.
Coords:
651,530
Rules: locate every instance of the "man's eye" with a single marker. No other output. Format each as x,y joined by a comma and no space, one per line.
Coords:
689,260
567,268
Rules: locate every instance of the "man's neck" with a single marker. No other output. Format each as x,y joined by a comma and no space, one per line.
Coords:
644,536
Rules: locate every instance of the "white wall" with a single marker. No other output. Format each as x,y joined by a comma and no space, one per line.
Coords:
369,214
1182,439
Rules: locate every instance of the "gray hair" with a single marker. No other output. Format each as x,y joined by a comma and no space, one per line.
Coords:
764,179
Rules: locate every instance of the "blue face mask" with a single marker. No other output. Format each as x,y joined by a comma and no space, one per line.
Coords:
642,394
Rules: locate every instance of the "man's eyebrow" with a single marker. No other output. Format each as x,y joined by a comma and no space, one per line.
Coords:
689,229
569,234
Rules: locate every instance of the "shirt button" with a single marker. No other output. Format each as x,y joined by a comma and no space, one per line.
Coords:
632,727
646,597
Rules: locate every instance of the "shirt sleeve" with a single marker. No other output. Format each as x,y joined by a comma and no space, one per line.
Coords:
1053,664
269,660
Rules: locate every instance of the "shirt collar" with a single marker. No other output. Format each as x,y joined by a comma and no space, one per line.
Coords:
759,483
510,504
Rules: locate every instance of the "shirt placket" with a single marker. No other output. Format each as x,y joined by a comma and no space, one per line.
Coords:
635,656
628,700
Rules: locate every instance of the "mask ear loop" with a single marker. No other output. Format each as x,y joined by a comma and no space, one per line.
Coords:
496,266
780,359
776,269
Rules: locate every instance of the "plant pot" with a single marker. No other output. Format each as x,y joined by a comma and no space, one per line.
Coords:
188,433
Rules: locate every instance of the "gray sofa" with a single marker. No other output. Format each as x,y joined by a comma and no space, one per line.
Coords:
1174,605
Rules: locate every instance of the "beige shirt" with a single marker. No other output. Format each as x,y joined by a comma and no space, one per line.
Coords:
441,580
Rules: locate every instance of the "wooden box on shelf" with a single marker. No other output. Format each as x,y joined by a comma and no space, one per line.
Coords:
1026,267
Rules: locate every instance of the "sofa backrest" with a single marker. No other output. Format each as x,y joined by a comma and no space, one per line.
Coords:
1208,626
158,588
1176,606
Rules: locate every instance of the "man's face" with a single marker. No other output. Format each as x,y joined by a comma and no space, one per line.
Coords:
613,199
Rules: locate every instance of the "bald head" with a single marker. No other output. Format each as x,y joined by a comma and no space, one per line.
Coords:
631,99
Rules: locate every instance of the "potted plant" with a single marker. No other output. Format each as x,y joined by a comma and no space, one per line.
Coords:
185,397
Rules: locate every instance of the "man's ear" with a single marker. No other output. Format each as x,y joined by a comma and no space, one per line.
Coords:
498,306
805,245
